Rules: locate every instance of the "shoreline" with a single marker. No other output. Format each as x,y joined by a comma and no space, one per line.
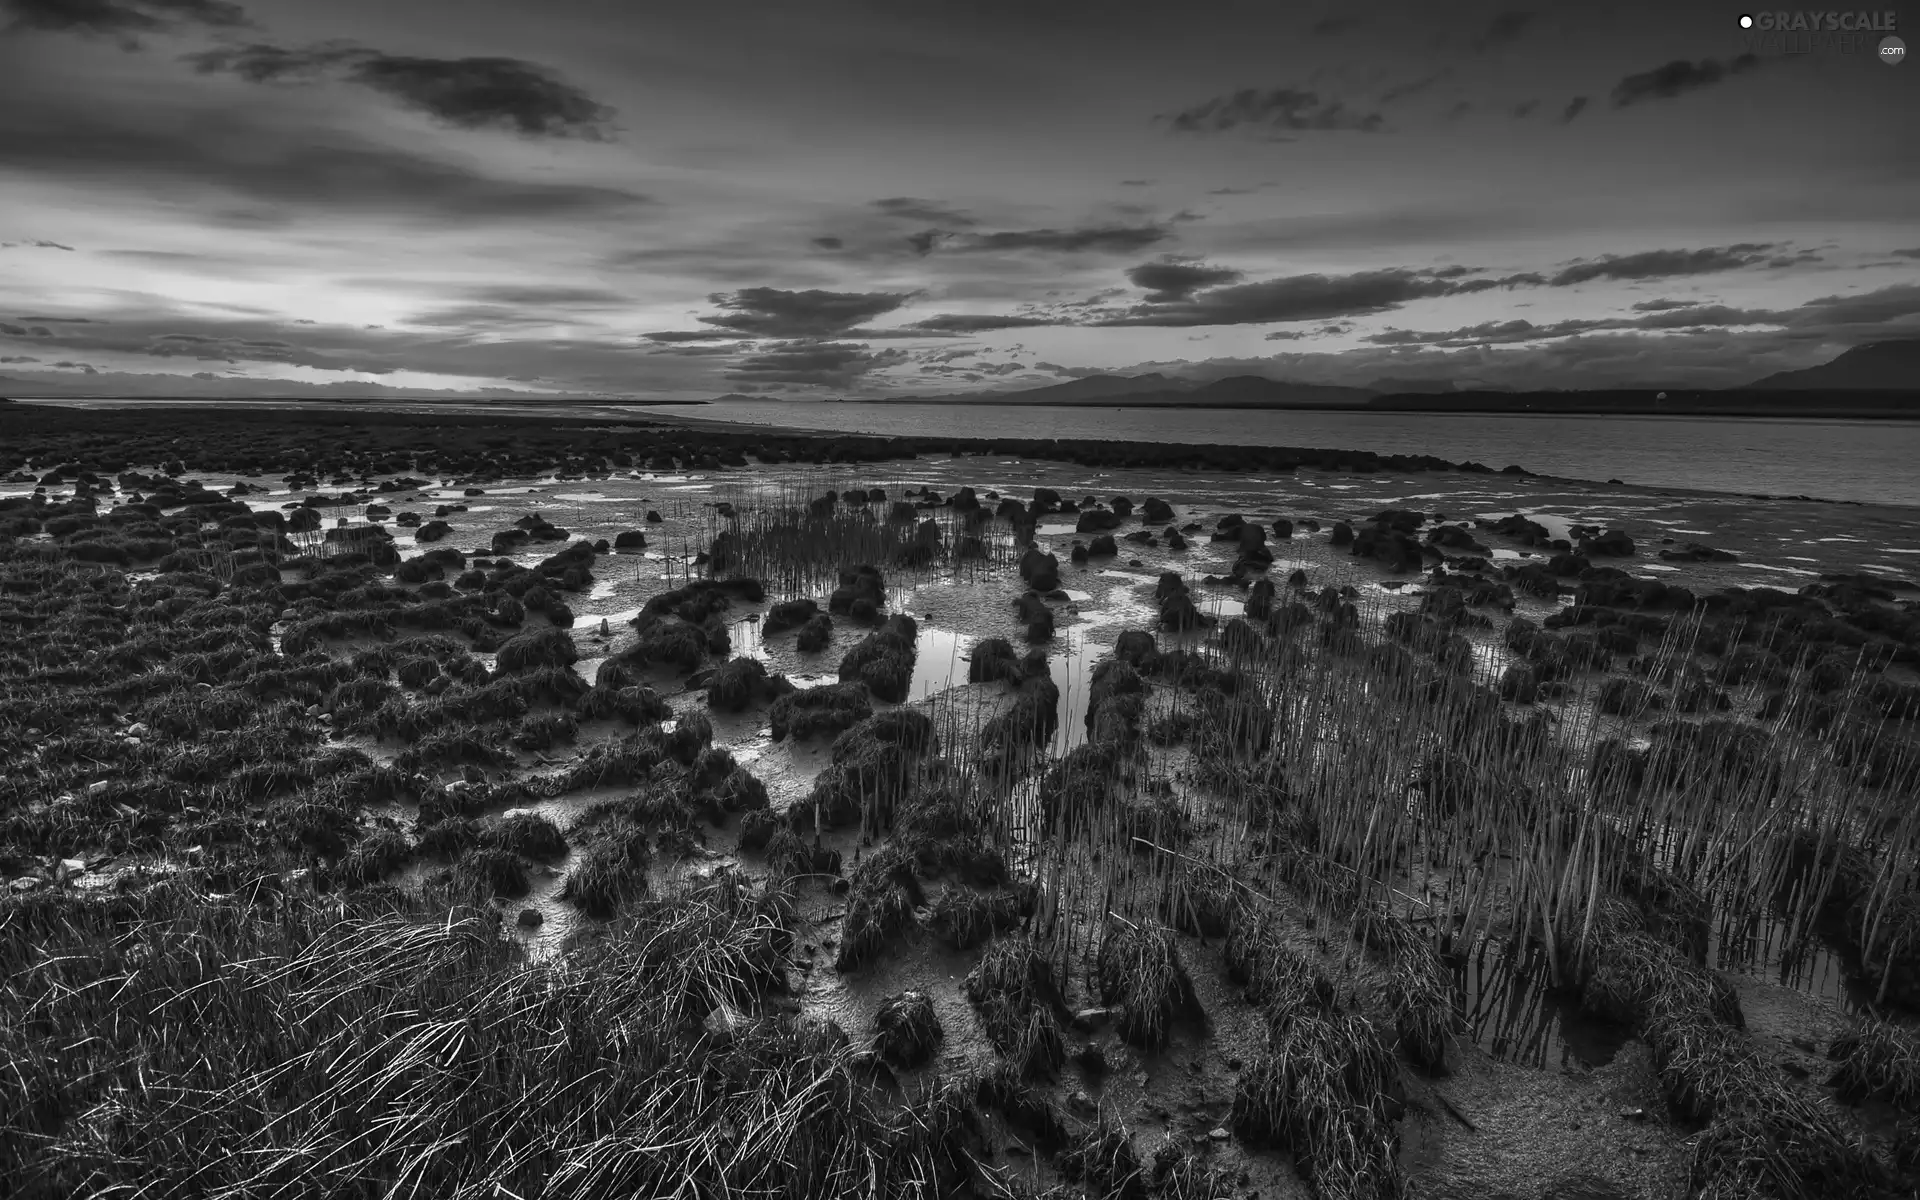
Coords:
889,446
1650,409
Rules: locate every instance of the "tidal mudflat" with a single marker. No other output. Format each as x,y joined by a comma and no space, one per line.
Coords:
656,816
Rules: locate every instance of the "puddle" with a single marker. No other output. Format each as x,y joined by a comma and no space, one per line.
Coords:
1071,671
1761,949
1512,1015
939,662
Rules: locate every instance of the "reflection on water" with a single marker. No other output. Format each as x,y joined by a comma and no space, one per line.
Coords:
1512,1013
1766,949
1868,461
939,662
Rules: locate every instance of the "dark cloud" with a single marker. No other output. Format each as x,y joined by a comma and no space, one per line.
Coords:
23,331
469,93
34,243
1107,238
260,62
1678,78
1525,109
119,17
1167,282
1574,108
772,313
673,336
1337,23
87,368
930,212
811,364
17,358
62,320
1794,260
1411,88
828,243
1837,318
1460,109
977,323
215,156
1659,264
477,317
1503,28
208,348
1282,108
1136,183
1913,253
537,294
1895,303
1296,298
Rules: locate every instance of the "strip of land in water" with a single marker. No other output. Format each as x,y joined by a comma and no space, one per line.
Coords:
1810,405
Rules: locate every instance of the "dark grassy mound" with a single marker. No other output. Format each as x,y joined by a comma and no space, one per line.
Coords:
884,659
907,1030
741,682
828,709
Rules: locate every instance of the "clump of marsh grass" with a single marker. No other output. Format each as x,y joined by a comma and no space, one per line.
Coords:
816,635
373,858
1139,969
530,835
537,648
884,659
1321,1092
488,871
1878,1060
1103,1162
883,894
1786,1147
994,659
788,614
907,1029
739,682
610,872
829,708
874,767
1017,996
964,919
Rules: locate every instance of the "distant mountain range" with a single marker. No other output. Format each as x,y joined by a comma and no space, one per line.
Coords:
1888,366
1876,366
1162,391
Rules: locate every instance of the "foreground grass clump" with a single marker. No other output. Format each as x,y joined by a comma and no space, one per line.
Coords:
376,1045
1139,969
1017,995
884,659
829,708
907,1030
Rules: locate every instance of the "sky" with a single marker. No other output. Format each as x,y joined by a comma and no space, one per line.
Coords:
863,199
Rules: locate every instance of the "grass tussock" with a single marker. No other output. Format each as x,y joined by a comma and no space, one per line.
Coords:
1017,997
1878,1060
1138,968
907,1029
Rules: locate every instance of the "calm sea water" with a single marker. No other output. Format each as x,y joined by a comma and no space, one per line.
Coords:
1873,462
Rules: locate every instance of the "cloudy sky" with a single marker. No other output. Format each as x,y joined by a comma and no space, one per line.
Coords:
858,197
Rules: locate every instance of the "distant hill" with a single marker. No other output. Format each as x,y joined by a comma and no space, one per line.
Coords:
1884,366
1402,387
1162,391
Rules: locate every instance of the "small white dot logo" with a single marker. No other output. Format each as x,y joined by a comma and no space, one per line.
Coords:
1746,22
1893,51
